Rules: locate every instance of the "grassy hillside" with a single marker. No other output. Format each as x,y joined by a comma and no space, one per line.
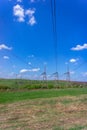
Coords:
13,84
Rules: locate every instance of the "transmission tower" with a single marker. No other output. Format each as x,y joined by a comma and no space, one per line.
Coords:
55,75
67,74
44,74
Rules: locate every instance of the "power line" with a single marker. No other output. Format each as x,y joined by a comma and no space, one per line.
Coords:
44,74
21,60
53,12
75,69
85,62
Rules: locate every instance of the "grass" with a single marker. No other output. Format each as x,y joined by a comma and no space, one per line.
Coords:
45,114
15,84
25,105
79,128
13,96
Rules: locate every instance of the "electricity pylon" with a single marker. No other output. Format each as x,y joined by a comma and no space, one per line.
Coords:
67,73
44,75
55,76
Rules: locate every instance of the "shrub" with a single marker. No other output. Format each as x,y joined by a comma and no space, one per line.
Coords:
4,87
50,86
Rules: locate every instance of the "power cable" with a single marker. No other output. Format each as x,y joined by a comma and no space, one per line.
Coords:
53,12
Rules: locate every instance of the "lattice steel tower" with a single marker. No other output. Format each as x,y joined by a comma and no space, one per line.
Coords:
67,74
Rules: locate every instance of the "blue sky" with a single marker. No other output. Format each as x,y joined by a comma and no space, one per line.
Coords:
26,38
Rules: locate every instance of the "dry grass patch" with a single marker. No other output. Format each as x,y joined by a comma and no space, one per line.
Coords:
62,113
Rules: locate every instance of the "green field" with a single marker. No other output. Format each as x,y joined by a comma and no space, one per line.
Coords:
15,84
6,97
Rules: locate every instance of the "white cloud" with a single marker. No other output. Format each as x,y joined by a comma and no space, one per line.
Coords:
35,69
72,72
31,56
3,46
5,57
24,70
79,47
32,21
18,11
73,60
30,13
30,70
29,63
19,1
32,1
21,14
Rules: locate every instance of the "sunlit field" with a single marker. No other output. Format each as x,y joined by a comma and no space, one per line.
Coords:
58,108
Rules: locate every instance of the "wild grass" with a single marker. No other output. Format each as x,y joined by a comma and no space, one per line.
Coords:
34,105
7,96
15,84
45,114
